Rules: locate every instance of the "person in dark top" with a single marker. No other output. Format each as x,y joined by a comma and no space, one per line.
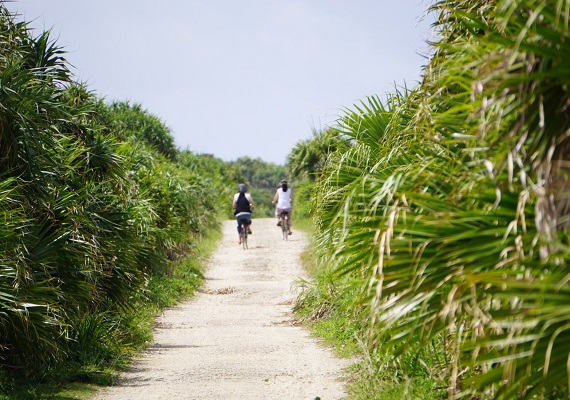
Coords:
242,205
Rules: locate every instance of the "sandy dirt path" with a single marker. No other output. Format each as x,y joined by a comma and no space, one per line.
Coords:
235,339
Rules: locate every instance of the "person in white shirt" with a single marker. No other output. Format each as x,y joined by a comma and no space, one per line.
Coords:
284,199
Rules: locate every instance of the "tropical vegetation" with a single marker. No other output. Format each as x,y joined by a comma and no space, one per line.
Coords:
101,216
105,221
441,215
442,219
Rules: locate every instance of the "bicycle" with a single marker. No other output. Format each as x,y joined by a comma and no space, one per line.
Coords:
284,222
243,234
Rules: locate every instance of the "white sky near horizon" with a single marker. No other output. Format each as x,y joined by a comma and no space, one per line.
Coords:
232,79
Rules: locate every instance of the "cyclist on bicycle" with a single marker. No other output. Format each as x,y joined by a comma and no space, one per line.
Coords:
284,200
242,205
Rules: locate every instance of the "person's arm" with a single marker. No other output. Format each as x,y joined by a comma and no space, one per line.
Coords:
275,198
251,203
234,203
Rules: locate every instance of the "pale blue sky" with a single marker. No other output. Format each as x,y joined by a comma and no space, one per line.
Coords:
239,78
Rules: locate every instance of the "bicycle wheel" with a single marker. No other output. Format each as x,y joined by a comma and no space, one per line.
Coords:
285,227
243,234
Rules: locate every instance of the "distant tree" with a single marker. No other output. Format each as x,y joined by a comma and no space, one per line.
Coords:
259,173
216,176
308,157
129,121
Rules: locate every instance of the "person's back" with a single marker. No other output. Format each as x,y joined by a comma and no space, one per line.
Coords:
284,200
242,205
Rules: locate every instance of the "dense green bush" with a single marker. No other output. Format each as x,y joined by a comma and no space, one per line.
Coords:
99,213
449,208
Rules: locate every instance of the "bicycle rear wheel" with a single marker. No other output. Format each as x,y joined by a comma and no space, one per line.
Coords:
285,227
243,235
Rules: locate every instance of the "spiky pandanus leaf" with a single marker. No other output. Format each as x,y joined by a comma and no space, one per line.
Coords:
517,122
69,242
446,224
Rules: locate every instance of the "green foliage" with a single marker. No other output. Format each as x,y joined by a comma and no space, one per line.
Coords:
128,122
326,304
217,178
449,208
377,385
258,173
308,157
328,308
93,339
303,194
59,208
101,216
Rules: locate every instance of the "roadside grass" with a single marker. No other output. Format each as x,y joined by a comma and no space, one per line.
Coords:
303,224
327,306
105,343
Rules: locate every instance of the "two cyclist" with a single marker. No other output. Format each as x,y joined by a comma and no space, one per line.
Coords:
284,199
242,205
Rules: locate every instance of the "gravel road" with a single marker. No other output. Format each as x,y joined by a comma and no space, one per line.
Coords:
235,339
